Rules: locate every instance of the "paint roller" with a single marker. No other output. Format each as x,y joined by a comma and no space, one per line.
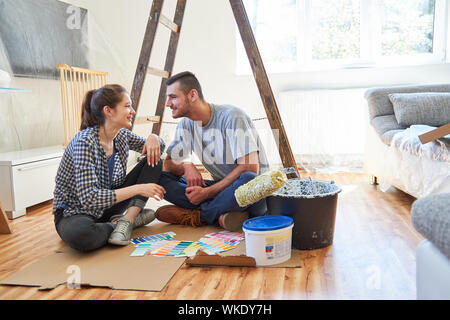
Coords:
260,187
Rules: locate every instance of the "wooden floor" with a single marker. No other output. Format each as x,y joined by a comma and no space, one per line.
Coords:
372,257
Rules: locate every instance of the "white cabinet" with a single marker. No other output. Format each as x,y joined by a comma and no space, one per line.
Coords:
27,178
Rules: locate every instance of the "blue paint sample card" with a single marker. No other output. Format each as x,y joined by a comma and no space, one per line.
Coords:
155,237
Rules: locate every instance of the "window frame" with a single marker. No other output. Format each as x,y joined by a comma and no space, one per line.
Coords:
370,43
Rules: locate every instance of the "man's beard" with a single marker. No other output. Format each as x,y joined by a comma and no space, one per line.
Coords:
186,109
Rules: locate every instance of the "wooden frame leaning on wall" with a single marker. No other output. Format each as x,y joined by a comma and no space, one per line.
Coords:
75,82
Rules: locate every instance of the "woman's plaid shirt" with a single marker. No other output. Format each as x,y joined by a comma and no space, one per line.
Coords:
82,180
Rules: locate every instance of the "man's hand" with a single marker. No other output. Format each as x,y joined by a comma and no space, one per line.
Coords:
193,176
153,148
197,194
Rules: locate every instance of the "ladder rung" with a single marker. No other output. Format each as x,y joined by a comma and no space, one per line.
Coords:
169,23
141,120
157,72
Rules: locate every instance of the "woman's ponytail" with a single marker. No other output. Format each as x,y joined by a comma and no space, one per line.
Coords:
95,100
87,119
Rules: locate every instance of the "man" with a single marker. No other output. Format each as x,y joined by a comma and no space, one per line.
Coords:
224,138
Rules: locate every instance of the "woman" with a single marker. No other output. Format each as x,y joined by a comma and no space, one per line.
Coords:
92,188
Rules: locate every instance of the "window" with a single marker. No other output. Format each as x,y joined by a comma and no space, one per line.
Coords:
276,31
334,29
295,35
406,34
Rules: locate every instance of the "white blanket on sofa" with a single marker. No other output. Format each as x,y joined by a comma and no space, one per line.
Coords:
408,141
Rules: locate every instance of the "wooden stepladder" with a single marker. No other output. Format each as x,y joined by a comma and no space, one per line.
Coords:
142,68
253,54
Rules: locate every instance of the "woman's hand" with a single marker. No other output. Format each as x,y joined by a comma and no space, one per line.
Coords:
152,190
152,147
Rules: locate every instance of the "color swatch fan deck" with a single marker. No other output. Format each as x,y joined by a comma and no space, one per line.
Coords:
162,244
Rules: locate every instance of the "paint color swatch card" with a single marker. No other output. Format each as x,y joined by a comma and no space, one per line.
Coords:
228,236
155,237
162,244
140,251
226,241
212,246
165,248
143,248
213,242
180,247
191,250
209,249
176,248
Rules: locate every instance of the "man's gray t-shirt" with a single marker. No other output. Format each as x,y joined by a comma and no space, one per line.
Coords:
228,136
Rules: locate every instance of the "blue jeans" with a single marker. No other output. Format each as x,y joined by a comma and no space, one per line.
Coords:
210,209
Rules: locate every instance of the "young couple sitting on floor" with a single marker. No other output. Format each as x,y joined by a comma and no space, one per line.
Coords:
96,202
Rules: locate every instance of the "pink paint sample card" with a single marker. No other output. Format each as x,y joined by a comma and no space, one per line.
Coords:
230,242
227,236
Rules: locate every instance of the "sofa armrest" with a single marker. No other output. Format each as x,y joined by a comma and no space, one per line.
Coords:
385,124
430,216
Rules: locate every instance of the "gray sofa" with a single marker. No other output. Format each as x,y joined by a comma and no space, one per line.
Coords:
385,120
394,153
431,218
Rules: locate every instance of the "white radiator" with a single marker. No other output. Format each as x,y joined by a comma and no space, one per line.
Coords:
325,121
326,128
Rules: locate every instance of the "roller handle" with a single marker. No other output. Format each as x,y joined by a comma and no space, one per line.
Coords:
290,170
286,182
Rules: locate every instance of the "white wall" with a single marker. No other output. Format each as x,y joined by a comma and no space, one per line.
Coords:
207,47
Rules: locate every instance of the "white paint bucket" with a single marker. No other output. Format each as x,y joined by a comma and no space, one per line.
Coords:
268,239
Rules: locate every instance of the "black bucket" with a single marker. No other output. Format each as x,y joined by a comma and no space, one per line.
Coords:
312,204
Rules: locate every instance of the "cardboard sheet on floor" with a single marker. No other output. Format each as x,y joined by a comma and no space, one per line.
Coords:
113,267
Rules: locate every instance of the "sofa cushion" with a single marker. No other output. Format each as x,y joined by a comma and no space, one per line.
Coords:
431,218
427,108
380,105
